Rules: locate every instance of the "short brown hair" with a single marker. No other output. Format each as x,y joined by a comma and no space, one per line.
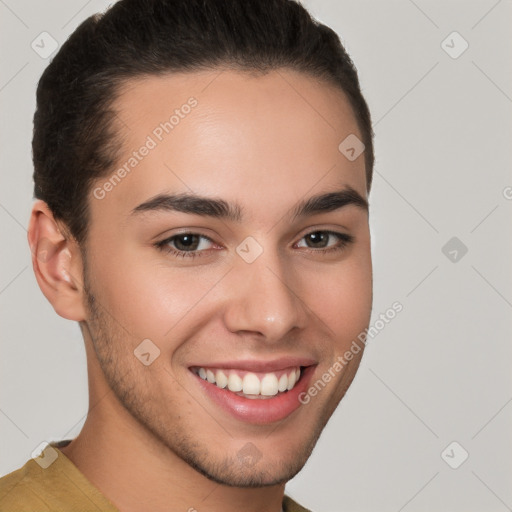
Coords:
74,142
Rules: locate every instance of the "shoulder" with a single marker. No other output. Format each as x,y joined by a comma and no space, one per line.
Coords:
19,491
50,483
290,505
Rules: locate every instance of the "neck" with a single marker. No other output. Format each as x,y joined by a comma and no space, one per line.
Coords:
130,466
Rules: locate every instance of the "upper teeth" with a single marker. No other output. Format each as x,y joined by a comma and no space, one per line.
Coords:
266,384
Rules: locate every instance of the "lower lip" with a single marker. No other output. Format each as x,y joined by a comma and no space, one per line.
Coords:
258,410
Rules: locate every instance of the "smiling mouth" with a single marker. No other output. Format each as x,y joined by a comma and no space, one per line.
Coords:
253,385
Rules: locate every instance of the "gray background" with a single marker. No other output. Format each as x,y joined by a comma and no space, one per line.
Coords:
440,371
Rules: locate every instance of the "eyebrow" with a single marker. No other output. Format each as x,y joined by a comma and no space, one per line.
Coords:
221,209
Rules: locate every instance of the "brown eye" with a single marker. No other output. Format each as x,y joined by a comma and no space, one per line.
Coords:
185,244
318,239
326,240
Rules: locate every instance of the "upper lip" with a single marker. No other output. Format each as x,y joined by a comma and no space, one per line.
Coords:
261,366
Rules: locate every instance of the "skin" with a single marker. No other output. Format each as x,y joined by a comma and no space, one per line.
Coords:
265,142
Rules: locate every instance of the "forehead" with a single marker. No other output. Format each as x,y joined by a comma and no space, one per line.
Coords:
232,133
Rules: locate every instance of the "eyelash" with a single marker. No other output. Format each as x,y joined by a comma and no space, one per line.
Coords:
344,241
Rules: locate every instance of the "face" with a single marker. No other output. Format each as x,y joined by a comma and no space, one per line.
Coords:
236,249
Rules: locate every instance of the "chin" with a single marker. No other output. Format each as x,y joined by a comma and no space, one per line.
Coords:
250,477
250,467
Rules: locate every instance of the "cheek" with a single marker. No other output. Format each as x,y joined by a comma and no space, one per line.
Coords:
146,297
149,299
344,302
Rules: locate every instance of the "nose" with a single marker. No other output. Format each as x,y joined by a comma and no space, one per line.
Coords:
264,300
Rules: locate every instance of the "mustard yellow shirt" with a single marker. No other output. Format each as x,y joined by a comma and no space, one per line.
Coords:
52,483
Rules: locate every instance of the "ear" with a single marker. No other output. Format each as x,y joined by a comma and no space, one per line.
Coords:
57,263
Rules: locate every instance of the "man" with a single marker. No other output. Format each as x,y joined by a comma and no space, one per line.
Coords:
202,171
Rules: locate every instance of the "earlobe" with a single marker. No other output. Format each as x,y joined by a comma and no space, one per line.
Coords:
57,263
